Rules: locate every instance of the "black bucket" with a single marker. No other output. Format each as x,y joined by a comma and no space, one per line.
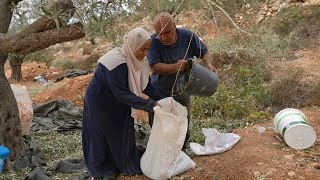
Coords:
196,80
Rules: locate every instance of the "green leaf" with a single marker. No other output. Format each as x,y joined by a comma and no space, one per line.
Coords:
56,20
45,11
95,17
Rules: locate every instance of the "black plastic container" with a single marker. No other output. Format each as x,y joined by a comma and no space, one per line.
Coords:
196,80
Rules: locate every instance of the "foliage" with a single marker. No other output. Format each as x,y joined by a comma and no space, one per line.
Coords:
87,62
243,93
101,18
153,7
249,48
240,99
41,56
234,6
300,24
288,90
298,28
23,15
56,146
294,17
63,64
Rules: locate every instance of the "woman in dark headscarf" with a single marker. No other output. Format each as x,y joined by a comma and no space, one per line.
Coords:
112,97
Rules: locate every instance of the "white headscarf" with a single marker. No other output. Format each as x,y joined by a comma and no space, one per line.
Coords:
138,71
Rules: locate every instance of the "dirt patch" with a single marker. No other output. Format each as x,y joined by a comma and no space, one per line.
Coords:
296,83
32,70
260,156
307,61
72,89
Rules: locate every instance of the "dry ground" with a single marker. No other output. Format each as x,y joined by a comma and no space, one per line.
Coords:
256,156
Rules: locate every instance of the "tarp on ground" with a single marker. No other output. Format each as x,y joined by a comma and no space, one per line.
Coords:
61,115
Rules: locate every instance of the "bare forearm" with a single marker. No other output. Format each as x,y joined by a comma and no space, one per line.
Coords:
162,68
208,60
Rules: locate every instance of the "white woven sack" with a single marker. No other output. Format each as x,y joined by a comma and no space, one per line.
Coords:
163,157
24,105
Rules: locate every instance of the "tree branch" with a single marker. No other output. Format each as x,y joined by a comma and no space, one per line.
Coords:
45,23
22,44
15,2
43,32
233,23
213,15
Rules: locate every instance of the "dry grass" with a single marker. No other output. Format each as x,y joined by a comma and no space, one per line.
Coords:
289,90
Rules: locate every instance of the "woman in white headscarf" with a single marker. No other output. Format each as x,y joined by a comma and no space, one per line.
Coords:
112,97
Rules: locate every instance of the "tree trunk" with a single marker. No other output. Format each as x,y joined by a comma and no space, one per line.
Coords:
39,35
10,129
15,63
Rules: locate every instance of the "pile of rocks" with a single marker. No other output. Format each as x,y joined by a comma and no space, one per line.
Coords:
270,8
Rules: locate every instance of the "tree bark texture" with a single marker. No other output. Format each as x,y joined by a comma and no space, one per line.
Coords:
10,129
15,64
44,32
36,41
39,35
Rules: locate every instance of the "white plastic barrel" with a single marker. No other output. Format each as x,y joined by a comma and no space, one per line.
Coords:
294,127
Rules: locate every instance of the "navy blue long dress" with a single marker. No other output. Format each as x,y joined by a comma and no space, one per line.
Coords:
108,135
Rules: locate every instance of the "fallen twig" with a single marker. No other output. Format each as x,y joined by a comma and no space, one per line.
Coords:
233,23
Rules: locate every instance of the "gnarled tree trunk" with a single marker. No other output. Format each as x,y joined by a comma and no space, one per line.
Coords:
39,35
15,64
10,129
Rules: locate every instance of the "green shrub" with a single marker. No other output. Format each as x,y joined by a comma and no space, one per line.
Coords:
41,56
294,17
270,42
250,49
63,64
241,98
288,90
88,62
236,97
300,24
243,94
